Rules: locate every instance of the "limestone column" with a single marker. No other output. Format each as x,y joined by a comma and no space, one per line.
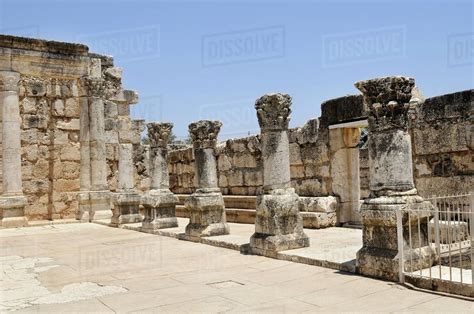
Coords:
206,205
12,201
391,180
278,224
126,201
159,202
95,200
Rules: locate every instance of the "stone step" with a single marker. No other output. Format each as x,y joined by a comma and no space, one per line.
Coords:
230,201
311,220
237,215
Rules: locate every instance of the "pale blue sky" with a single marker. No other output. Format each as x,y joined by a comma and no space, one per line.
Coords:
211,59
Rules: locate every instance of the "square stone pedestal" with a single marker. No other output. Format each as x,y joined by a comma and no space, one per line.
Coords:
12,211
379,256
160,210
206,215
126,209
94,205
278,224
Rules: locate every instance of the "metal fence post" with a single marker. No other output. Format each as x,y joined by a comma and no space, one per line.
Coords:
471,223
401,257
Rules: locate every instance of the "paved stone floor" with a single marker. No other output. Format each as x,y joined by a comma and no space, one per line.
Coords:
332,247
93,268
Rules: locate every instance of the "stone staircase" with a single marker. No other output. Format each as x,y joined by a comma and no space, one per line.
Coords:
317,212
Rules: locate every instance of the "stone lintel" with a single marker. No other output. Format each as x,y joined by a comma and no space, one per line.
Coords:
125,96
50,46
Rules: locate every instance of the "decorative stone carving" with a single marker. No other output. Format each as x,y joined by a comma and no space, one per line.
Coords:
273,111
206,205
9,81
204,133
278,224
159,202
95,86
159,134
391,181
388,101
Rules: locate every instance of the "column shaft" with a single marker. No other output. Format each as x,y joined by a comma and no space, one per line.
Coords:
159,168
97,145
159,202
206,205
12,201
12,184
125,166
278,223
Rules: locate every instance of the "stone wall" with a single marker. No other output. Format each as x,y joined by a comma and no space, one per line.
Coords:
443,140
49,108
240,164
50,92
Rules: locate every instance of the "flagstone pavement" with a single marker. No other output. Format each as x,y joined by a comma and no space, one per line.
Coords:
87,267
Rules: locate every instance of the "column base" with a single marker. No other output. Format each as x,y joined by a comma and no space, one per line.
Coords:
96,204
278,224
206,215
160,210
379,256
12,211
126,209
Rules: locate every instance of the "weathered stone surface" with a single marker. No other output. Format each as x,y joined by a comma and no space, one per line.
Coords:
206,205
204,133
343,109
159,202
125,209
273,111
391,181
326,204
278,224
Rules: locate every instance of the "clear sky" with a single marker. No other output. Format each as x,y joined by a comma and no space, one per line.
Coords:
192,60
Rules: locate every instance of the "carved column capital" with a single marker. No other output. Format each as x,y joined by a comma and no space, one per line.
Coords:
204,133
273,111
95,87
9,81
159,133
388,101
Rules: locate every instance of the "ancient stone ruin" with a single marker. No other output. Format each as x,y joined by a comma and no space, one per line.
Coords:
206,205
278,225
71,152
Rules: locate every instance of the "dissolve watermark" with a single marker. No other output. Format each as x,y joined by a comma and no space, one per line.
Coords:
461,49
238,118
126,44
243,46
364,46
121,256
149,108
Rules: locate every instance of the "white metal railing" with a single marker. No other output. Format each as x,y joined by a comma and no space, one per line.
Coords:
448,229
